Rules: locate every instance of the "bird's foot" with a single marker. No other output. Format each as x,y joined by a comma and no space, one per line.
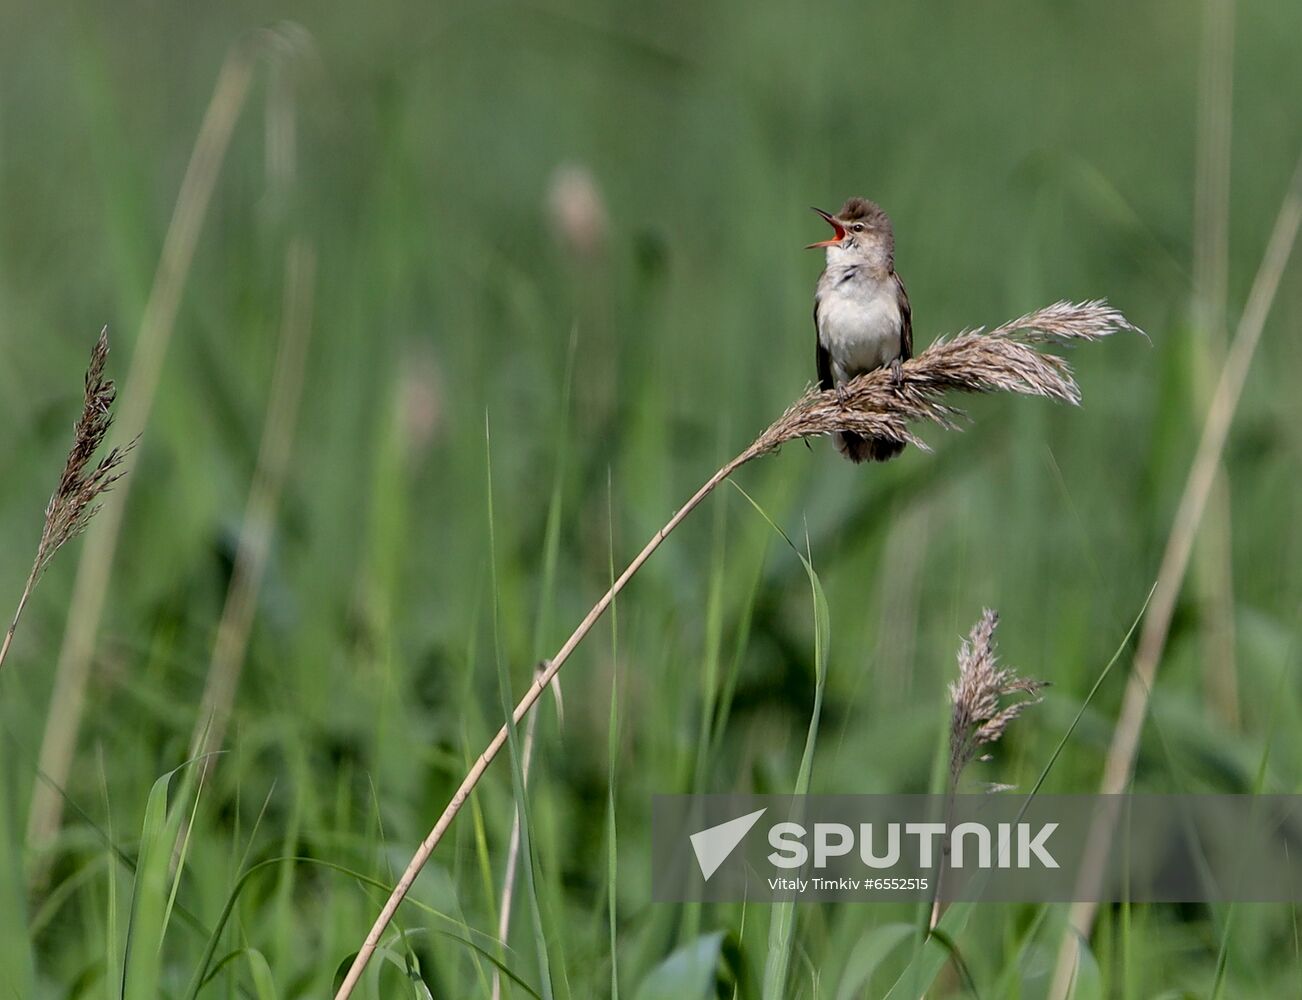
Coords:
897,373
841,395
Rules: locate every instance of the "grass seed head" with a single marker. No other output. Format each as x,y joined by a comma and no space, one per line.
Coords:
1004,359
981,709
84,481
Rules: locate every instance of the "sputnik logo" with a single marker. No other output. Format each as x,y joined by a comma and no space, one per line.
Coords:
713,845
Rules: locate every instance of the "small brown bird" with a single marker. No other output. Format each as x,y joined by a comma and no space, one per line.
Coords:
861,312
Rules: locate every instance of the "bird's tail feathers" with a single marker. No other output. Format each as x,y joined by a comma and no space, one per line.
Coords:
858,448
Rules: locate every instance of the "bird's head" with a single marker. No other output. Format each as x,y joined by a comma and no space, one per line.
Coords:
861,231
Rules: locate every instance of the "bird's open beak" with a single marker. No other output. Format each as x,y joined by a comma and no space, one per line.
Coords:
840,231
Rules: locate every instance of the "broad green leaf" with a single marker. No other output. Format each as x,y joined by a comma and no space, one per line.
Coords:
936,951
871,951
687,974
151,894
264,987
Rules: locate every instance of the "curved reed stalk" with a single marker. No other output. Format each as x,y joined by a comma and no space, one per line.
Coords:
1004,359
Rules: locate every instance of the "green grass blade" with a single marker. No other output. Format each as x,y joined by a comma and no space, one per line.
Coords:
181,856
209,965
527,868
1258,786
612,755
1098,683
782,919
687,974
264,986
151,894
936,951
872,949
15,934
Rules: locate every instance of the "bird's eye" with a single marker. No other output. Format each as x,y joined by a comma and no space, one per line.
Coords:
858,227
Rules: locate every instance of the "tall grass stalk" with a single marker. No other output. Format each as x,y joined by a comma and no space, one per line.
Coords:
551,556
974,361
612,755
263,503
271,467
1171,574
524,826
782,921
1211,260
513,849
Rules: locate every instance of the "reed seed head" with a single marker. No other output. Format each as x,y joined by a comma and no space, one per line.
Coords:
981,709
1004,359
76,498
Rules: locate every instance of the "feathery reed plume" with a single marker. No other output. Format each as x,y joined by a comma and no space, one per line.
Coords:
84,481
981,711
974,361
874,405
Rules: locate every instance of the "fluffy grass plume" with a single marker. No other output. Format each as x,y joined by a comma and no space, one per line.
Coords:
982,709
83,483
985,698
1004,359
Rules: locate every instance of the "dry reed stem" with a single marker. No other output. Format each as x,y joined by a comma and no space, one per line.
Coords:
83,483
286,45
1213,566
1002,360
261,508
1171,573
86,607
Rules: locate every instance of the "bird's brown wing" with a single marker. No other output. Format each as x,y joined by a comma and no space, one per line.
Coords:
906,320
822,357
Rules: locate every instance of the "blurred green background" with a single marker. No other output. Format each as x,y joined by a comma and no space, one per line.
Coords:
563,241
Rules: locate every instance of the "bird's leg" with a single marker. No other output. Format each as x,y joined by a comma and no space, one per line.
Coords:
841,395
897,373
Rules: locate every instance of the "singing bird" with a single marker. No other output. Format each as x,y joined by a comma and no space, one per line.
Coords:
861,312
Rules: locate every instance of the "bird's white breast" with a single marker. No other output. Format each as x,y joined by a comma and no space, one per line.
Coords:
859,323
